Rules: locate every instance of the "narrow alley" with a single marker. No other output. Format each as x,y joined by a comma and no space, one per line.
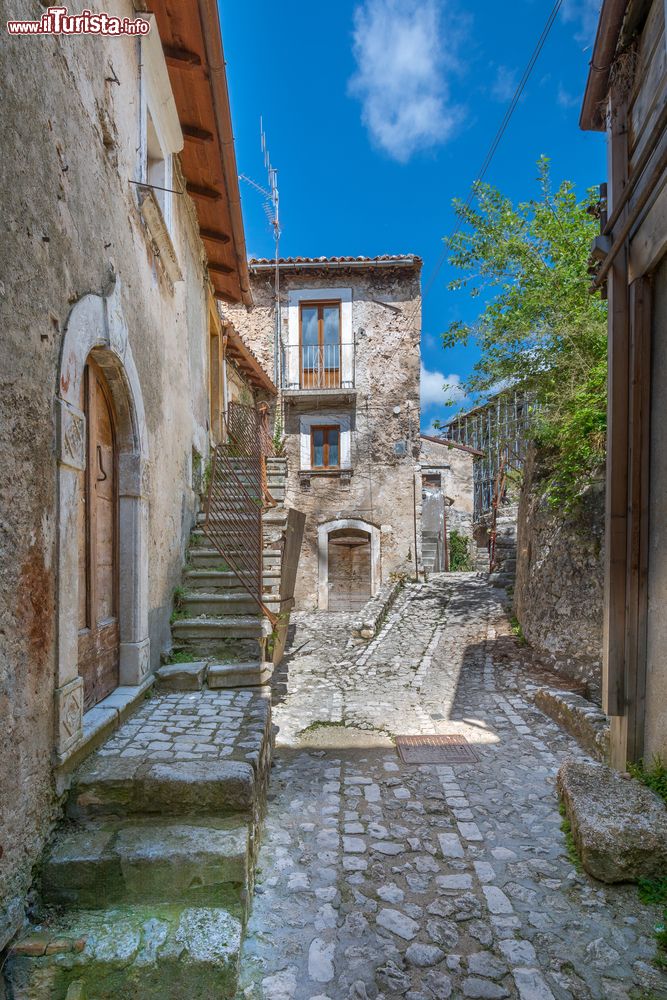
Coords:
381,879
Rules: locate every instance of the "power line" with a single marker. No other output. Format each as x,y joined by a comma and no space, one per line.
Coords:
495,143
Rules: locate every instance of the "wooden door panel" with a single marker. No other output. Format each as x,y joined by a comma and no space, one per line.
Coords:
99,641
349,574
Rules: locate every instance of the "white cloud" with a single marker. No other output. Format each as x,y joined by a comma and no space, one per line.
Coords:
565,99
403,60
438,389
504,86
584,15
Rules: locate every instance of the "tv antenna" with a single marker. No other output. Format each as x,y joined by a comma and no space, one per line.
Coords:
271,204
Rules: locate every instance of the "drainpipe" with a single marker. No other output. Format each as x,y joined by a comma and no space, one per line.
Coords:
225,390
414,517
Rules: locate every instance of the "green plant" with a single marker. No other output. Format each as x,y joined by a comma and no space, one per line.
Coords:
460,557
654,777
180,656
652,891
278,436
179,597
570,845
540,330
177,616
206,476
517,631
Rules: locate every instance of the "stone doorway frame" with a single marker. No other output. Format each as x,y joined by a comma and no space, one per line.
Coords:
96,327
323,532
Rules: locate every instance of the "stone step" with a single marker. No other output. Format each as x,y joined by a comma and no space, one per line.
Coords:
248,626
148,952
202,558
224,581
151,861
253,673
238,602
127,786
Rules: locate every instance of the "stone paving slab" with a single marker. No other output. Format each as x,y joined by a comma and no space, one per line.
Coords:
379,879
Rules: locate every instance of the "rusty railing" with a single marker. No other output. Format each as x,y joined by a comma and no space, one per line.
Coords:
248,431
237,497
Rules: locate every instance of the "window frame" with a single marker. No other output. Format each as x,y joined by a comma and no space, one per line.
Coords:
320,305
326,466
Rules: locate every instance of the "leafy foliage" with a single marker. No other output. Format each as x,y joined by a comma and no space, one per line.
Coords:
654,777
460,558
540,328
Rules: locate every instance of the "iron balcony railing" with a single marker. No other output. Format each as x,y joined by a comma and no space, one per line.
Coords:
328,366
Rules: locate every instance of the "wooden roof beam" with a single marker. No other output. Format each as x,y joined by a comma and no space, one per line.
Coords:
200,191
213,236
196,134
181,58
219,268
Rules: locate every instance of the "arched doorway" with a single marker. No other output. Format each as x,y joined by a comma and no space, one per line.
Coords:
349,569
99,638
349,564
102,548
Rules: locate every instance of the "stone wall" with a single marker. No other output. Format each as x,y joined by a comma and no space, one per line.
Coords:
382,412
71,228
559,579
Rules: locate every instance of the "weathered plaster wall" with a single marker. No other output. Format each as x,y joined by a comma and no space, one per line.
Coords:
655,736
386,320
457,482
69,135
559,579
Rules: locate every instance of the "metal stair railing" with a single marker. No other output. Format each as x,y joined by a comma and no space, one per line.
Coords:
248,429
237,497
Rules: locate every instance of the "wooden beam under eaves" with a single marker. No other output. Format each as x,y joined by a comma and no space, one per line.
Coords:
199,191
214,236
196,134
227,297
220,268
182,58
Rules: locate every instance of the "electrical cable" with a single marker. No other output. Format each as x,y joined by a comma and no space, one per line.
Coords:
502,128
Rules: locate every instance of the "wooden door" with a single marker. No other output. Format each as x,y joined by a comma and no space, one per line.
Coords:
349,570
98,544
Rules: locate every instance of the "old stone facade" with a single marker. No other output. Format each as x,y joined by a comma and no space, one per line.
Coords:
349,358
447,497
625,97
108,314
559,579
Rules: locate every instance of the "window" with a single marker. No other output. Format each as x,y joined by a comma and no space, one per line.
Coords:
320,324
325,447
158,170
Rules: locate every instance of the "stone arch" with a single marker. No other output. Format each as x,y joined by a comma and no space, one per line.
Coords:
96,328
323,532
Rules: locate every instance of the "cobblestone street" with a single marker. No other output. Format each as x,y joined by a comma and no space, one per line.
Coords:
381,879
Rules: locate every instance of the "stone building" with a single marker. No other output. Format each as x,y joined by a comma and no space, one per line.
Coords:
626,97
348,363
447,497
122,229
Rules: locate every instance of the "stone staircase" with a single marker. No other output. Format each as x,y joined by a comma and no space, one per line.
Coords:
431,552
145,890
217,623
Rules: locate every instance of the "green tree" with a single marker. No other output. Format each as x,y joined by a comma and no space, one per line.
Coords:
540,328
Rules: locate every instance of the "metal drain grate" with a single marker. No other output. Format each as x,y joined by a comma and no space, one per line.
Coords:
435,750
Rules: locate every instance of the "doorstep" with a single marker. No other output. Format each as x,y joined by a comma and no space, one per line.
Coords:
98,724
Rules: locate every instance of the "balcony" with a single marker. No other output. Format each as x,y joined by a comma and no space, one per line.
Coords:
324,371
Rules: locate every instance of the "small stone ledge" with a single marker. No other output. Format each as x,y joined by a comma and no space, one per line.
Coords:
618,825
577,716
376,610
182,676
98,724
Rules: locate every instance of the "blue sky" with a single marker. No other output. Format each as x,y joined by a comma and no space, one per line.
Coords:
379,112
